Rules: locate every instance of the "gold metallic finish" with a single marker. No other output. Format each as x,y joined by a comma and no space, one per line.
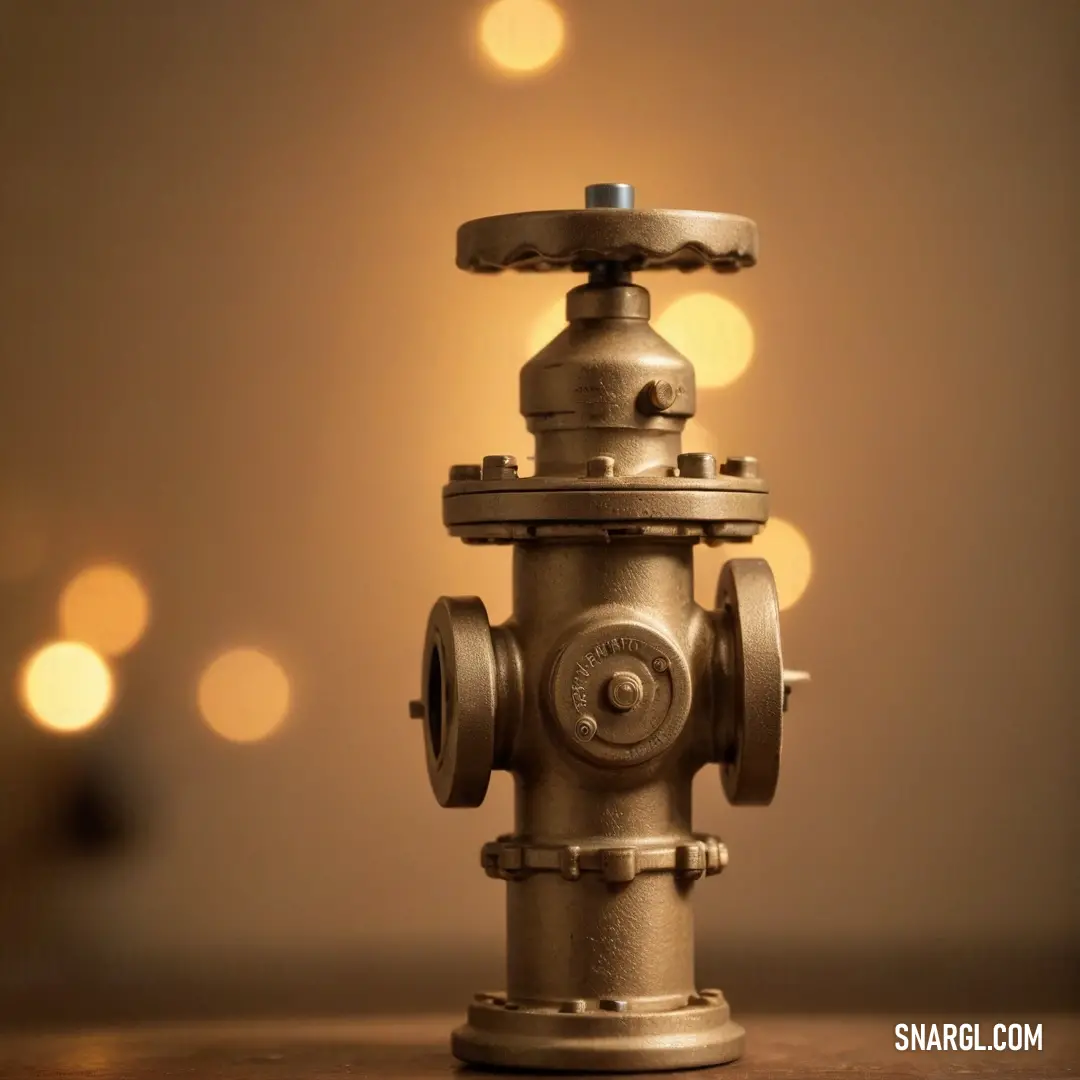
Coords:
609,687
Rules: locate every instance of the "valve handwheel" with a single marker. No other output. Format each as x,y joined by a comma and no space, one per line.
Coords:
609,230
752,684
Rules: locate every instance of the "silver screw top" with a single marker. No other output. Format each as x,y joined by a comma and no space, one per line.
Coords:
612,196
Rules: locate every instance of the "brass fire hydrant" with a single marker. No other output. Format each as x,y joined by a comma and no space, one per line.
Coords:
609,687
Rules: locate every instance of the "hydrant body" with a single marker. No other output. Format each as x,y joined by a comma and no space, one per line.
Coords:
609,687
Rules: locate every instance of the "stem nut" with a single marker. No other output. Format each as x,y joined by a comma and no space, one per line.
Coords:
613,196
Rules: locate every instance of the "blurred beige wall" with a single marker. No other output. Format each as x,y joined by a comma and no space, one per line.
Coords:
235,355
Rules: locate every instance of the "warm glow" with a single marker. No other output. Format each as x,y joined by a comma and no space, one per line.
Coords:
87,1055
106,607
787,551
23,539
66,686
780,543
522,36
244,695
548,326
712,333
698,439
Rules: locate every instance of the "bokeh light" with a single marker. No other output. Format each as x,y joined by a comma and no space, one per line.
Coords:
547,326
66,687
106,607
244,695
780,543
522,37
712,333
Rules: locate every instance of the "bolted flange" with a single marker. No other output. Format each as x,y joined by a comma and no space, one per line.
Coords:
459,703
751,673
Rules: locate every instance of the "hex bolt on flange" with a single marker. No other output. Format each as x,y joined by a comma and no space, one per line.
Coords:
697,466
602,693
746,467
600,467
460,473
499,467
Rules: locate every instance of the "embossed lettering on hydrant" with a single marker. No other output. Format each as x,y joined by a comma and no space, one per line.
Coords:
591,659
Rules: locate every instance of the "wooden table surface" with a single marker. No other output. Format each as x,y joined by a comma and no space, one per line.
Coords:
412,1048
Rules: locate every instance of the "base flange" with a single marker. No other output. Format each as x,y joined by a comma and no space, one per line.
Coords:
583,1037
